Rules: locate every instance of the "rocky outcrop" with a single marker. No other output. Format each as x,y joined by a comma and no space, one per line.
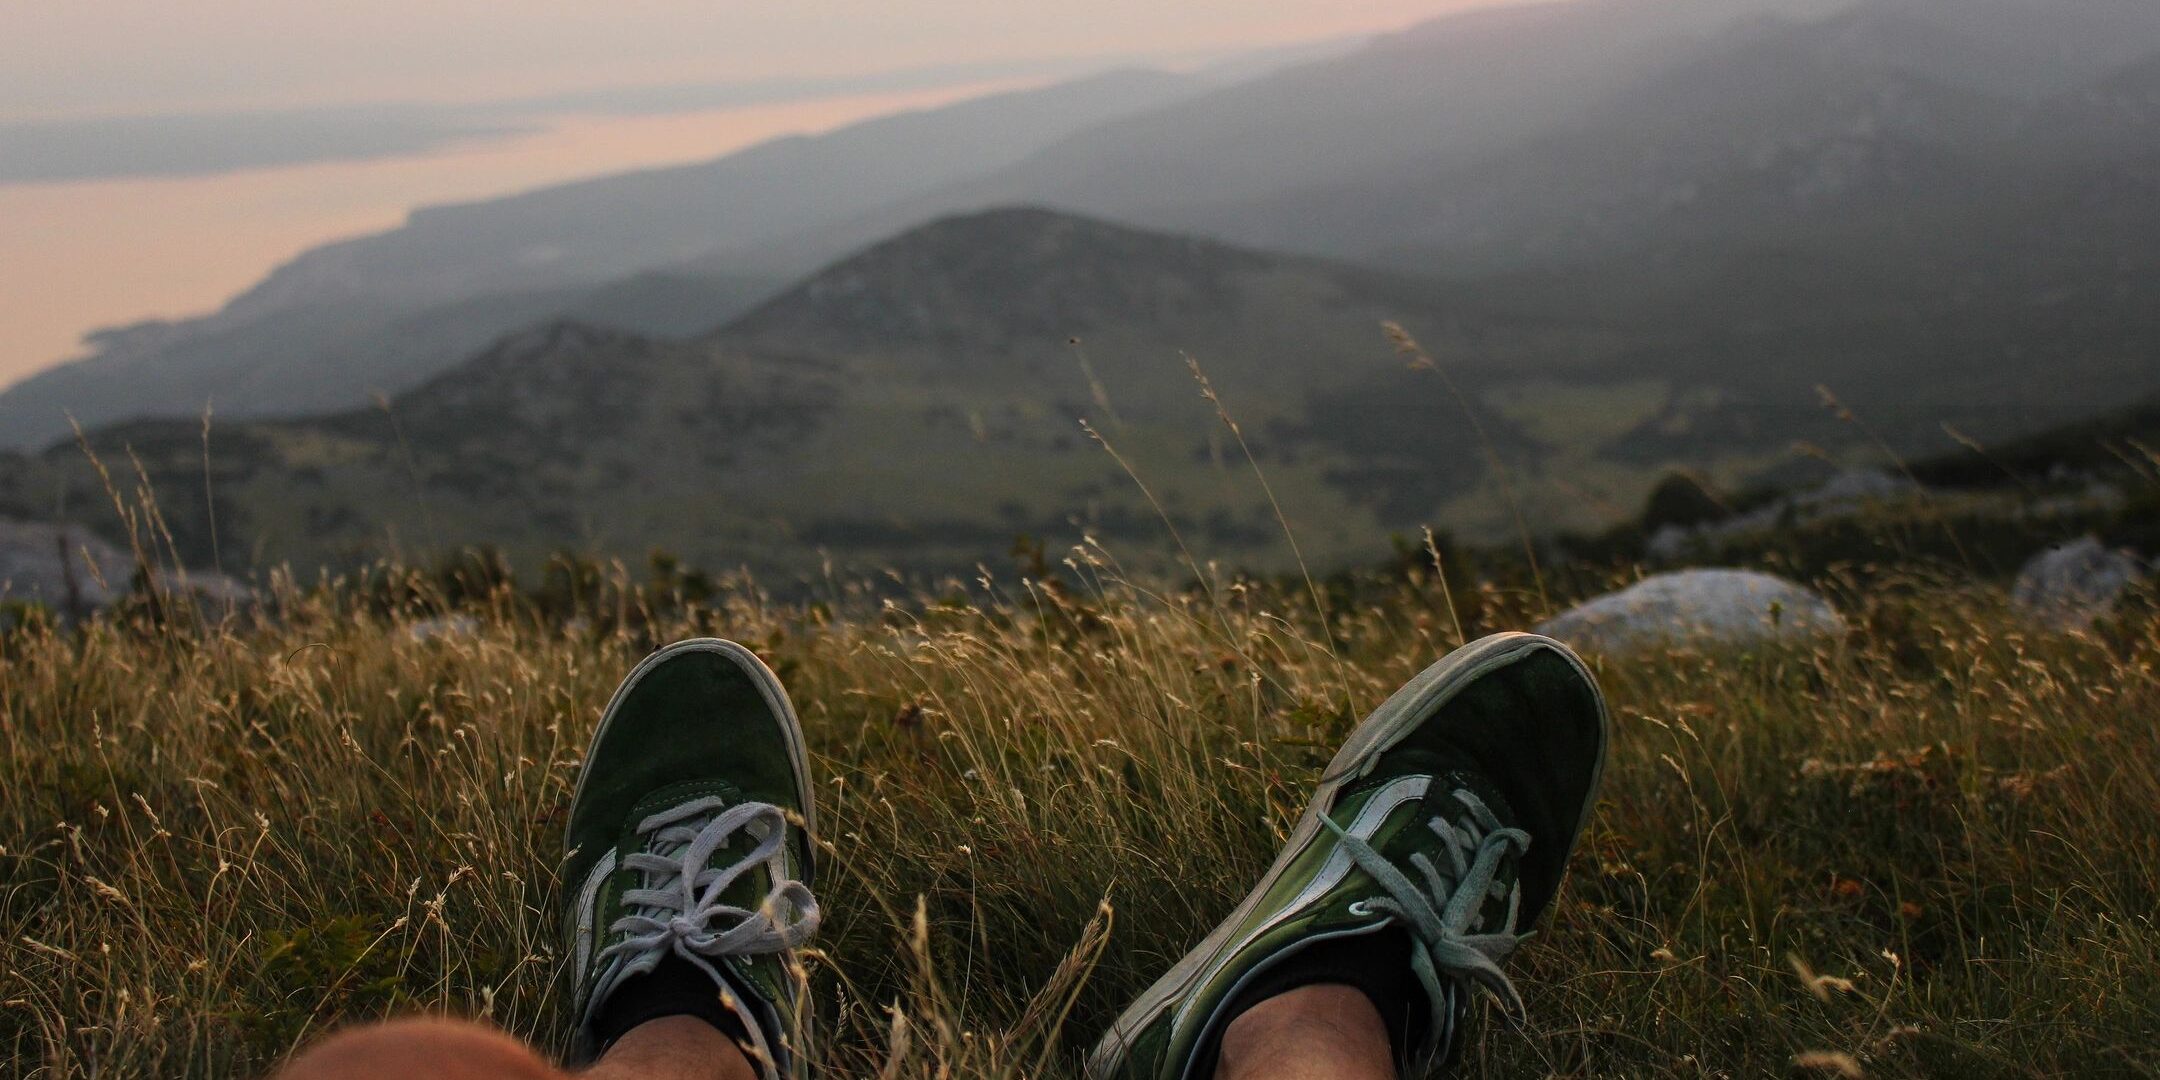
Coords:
75,574
2071,586
1704,608
1849,493
60,567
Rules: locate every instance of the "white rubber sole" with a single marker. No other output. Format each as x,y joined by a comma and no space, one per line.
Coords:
1395,718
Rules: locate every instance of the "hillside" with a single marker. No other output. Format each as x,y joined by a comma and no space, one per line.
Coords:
917,405
1487,140
1873,125
333,325
1815,192
997,298
881,409
382,312
1235,163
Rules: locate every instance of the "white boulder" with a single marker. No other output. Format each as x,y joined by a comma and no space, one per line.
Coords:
74,574
61,567
1704,608
2069,586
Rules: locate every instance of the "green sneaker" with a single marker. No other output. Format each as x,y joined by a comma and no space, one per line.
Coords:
690,836
1449,815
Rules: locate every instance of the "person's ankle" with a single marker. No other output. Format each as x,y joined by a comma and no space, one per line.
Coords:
1372,965
676,988
679,1045
1320,1029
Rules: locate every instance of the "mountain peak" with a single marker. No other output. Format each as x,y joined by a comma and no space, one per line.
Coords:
1027,271
1046,236
520,350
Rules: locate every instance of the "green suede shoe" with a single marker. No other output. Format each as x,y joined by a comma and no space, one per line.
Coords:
690,836
1449,815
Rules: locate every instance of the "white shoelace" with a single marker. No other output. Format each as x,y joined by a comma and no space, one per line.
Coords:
679,910
1439,916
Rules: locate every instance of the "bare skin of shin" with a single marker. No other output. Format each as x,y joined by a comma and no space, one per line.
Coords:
672,1048
1319,1032
669,1048
1322,1032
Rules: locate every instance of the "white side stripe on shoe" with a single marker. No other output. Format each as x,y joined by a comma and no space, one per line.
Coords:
1384,802
588,895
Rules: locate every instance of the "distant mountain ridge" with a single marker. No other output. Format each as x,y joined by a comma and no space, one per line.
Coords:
1483,142
1017,274
1749,219
918,405
890,436
1768,126
1220,164
332,326
337,323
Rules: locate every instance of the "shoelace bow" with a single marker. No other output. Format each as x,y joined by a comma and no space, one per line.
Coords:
679,908
1440,916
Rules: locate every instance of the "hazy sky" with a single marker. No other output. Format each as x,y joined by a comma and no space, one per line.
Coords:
157,156
184,55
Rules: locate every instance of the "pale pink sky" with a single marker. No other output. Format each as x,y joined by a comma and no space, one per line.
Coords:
168,55
77,255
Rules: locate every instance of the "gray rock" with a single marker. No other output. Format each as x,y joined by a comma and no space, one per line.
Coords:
2097,497
1853,488
60,566
76,574
1849,493
1669,544
214,593
1705,608
2070,586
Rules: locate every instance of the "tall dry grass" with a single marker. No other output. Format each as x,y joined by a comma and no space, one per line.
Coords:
1928,849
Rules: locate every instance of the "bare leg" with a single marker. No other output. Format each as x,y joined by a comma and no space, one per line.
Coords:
673,1048
670,1048
1326,1031
419,1047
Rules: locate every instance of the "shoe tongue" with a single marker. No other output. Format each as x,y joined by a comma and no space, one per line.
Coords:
661,800
674,795
749,889
1493,911
1444,801
1450,776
